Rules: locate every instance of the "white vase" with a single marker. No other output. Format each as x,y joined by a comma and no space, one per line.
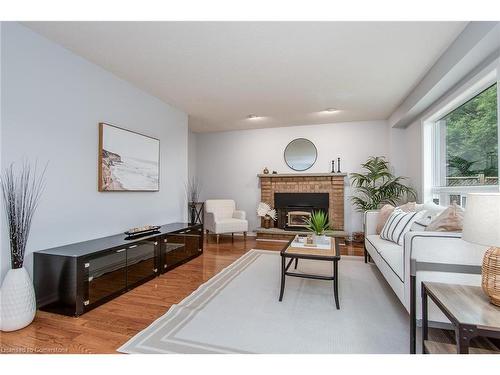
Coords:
17,300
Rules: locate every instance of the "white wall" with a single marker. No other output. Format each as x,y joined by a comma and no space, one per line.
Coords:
51,105
192,147
228,162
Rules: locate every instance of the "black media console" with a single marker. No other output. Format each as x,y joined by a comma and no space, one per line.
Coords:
76,278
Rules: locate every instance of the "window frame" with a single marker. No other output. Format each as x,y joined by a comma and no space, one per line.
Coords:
434,138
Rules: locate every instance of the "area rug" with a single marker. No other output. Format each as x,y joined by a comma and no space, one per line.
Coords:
237,311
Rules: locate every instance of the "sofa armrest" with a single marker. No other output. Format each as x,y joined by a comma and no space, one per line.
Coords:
209,221
238,214
446,248
370,222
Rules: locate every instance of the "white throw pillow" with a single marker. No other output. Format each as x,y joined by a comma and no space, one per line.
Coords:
433,210
422,223
398,224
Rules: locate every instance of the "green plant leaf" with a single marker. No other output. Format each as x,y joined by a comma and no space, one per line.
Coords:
318,222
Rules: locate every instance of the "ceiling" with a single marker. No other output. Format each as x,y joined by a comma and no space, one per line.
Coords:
286,72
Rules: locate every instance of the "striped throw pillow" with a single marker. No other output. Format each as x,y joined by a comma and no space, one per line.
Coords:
397,225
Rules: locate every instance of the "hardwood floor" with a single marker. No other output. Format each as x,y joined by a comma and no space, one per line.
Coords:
107,327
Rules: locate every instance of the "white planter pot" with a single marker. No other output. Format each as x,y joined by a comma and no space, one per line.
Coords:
17,300
320,239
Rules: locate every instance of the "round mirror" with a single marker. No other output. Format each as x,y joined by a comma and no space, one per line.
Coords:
300,154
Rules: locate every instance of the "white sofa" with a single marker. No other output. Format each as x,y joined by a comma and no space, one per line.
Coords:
221,217
424,256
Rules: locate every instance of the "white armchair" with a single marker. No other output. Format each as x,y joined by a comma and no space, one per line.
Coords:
222,217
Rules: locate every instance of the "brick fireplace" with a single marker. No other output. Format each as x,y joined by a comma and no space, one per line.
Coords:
331,183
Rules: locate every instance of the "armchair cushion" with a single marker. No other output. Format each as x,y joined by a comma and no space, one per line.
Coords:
231,226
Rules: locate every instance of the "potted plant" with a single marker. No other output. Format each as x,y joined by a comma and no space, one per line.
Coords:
21,194
318,223
265,211
378,186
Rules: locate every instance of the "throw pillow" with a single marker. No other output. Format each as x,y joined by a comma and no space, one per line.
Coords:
408,207
384,214
450,220
420,224
398,224
433,210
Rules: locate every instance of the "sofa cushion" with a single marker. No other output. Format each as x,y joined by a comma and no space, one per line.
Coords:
390,252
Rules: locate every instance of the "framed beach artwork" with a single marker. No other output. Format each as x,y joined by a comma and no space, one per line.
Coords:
128,161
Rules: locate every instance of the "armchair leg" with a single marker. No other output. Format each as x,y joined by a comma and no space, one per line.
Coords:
217,239
244,236
232,237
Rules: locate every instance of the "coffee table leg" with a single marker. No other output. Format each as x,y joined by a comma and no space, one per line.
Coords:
282,289
296,262
336,284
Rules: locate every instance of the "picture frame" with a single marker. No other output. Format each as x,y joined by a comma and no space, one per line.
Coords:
127,160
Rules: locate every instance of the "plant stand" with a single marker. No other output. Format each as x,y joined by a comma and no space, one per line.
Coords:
195,212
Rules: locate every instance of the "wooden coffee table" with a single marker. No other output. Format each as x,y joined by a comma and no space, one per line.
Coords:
295,253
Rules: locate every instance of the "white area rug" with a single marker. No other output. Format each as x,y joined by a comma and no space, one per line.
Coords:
237,311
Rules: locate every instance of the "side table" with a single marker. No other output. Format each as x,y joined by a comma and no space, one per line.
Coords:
468,310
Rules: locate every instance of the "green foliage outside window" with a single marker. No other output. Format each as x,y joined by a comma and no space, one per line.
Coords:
472,141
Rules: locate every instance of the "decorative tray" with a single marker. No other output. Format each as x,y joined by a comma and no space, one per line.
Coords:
142,230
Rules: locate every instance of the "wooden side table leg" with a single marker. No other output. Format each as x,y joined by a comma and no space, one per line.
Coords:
282,288
425,320
463,335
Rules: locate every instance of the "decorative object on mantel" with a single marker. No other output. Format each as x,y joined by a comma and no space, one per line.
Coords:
265,211
128,161
318,223
358,237
482,226
338,165
195,207
274,172
333,166
265,171
300,154
378,186
21,194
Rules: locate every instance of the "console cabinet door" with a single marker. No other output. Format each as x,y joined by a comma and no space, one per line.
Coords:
106,275
141,262
192,239
173,250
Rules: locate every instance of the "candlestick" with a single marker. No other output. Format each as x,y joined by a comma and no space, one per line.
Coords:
333,166
338,165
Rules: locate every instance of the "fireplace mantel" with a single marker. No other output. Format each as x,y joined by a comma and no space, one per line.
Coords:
271,175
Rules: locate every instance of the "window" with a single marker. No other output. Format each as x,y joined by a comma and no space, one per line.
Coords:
466,149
